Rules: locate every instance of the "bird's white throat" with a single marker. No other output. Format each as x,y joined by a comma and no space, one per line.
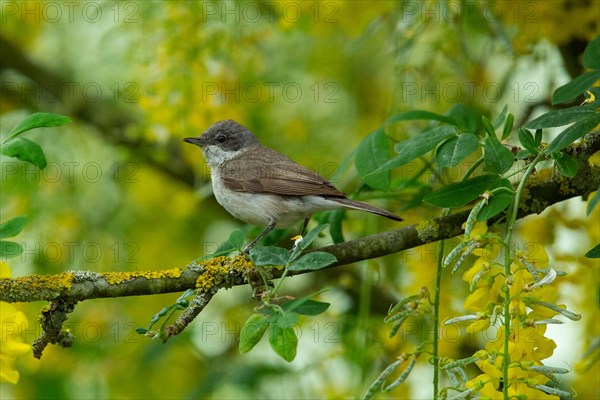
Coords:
215,155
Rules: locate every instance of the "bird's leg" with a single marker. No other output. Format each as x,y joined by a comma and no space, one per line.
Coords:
304,226
264,233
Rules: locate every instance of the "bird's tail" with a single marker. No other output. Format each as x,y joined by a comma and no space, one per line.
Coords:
359,205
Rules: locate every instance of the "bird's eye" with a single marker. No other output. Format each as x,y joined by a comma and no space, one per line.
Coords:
221,138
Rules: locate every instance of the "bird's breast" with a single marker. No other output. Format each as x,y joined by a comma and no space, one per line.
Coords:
263,208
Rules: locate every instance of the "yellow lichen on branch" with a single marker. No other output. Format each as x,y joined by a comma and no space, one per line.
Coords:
115,278
28,286
219,271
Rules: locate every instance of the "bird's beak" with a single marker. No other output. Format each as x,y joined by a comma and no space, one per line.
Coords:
195,140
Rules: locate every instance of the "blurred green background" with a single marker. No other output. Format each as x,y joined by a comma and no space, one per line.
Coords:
122,192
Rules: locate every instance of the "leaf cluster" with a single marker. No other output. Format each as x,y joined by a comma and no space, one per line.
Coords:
28,151
451,138
281,318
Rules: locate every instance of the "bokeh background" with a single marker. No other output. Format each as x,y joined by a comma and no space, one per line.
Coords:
122,192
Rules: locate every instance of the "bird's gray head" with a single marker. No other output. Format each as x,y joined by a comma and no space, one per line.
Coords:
223,141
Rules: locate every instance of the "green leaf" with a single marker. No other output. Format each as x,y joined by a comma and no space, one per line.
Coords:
538,137
306,241
282,338
312,261
416,146
312,235
420,115
498,159
573,133
465,119
569,91
527,141
487,125
510,120
38,120
269,255
593,202
455,149
311,307
591,55
594,253
9,249
253,330
25,150
12,227
461,193
236,239
567,165
295,304
373,152
423,142
497,203
501,117
559,118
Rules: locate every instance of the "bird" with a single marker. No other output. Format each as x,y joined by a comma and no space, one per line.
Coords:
263,187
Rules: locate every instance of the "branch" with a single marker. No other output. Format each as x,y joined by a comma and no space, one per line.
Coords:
222,272
218,273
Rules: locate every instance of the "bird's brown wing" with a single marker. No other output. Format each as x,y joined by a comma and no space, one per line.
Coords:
267,171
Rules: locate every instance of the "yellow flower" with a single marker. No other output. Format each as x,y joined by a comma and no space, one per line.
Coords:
492,367
489,286
525,343
478,325
535,255
527,346
13,322
488,389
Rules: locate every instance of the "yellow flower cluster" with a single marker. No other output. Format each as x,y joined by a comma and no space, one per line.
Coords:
533,293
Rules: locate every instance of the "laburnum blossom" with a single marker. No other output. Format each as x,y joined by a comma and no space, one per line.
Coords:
486,387
488,287
527,346
12,323
532,288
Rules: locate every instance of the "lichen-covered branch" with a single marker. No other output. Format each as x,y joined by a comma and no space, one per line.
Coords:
53,317
220,272
74,286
